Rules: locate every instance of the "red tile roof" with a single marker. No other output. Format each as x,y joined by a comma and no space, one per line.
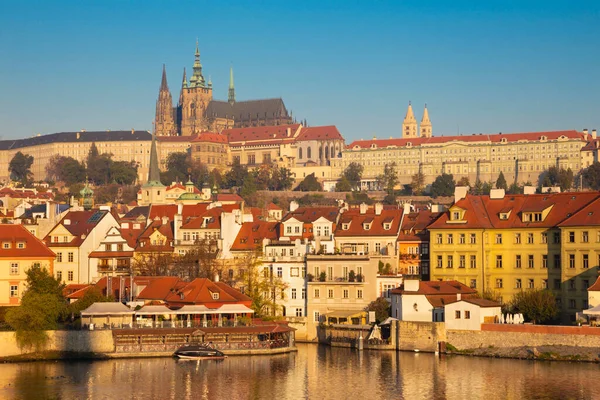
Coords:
357,222
414,225
327,132
441,288
261,133
595,287
493,138
79,224
228,197
169,210
251,232
211,137
588,215
15,234
311,214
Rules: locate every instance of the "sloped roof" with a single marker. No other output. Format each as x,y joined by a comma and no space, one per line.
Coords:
251,232
357,222
15,234
261,133
414,225
437,288
249,110
327,132
311,214
76,137
210,137
115,308
79,224
596,286
587,216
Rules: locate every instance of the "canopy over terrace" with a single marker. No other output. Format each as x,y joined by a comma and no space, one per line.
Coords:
108,315
354,317
192,315
593,311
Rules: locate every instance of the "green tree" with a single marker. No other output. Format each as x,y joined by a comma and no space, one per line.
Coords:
98,166
591,176
558,177
515,189
92,295
389,179
343,185
464,181
236,175
20,168
309,184
281,179
537,306
123,172
501,182
353,173
443,186
42,305
381,308
249,187
65,169
417,184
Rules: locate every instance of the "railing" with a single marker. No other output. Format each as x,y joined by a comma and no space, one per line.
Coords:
123,346
149,324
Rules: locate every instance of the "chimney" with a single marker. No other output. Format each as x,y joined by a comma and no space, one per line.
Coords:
411,285
165,220
78,135
585,134
363,208
180,209
529,189
458,296
378,208
216,277
293,205
594,134
496,194
460,192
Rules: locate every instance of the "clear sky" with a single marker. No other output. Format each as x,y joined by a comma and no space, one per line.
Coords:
481,66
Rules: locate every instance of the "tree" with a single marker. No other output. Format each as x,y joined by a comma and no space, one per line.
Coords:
515,189
538,306
417,184
198,262
501,182
98,168
66,169
558,177
20,168
153,264
249,187
236,175
353,173
381,308
464,181
591,176
123,172
309,184
92,295
281,179
389,179
42,305
343,185
443,186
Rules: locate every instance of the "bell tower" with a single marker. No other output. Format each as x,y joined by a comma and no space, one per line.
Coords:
194,100
425,124
409,126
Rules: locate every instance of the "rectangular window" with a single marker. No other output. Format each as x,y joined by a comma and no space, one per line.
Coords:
440,262
530,284
499,261
462,238
438,238
557,261
450,262
556,236
473,262
317,316
544,238
288,229
517,238
530,263
544,261
266,272
473,238
359,294
518,261
14,290
70,257
293,294
303,293
586,284
499,283
70,276
457,314
317,293
572,303
498,238
585,261
298,312
58,257
473,284
296,229
377,248
346,293
59,275
330,273
572,284
280,272
467,314
530,238
462,262
544,283
571,237
294,272
584,237
571,260
557,284
518,283
330,293
14,268
450,238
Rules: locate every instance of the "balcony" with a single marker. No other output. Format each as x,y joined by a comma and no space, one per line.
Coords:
358,279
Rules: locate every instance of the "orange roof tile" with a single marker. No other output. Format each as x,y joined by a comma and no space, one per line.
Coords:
15,234
211,137
260,133
319,133
251,232
357,223
441,288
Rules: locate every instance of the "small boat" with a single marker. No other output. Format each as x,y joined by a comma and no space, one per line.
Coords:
198,352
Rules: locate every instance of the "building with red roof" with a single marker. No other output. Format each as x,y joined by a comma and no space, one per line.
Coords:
211,149
19,251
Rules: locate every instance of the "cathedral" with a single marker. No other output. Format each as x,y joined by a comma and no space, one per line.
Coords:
196,111
410,128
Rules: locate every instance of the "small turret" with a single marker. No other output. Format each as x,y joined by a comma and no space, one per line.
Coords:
231,95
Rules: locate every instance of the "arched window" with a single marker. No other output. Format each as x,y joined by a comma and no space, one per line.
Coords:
320,153
300,153
332,152
326,152
308,153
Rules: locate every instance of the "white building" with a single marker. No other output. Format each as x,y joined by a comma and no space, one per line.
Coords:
469,314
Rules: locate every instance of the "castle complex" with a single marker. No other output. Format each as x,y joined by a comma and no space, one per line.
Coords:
197,112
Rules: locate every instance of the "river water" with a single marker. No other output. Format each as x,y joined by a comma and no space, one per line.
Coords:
314,372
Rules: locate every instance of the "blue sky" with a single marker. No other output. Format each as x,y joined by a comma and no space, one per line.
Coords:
481,66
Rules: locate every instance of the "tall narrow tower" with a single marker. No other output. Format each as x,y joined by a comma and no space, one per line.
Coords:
409,126
231,95
164,123
153,191
425,124
194,99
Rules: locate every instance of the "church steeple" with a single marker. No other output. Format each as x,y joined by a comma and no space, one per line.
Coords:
409,126
231,96
153,191
164,123
197,78
426,124
163,83
184,83
153,170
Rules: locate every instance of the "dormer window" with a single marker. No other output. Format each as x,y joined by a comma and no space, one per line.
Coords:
242,240
345,226
504,216
455,215
503,140
387,226
21,245
215,295
367,226
544,138
6,245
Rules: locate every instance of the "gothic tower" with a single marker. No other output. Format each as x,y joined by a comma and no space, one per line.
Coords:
153,191
425,124
164,123
409,126
231,94
194,99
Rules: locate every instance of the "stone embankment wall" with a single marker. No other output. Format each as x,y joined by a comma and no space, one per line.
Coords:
509,336
422,336
67,341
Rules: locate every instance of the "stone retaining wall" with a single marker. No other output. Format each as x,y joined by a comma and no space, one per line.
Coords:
421,336
68,341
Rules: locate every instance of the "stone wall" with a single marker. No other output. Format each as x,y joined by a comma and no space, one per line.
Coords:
71,341
422,336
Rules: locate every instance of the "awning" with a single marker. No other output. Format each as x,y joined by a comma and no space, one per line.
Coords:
115,308
593,311
344,313
235,309
154,310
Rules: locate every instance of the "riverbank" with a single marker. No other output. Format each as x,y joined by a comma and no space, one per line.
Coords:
540,353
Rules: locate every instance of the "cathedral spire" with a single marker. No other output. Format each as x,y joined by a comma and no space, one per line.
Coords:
153,170
197,79
425,123
409,126
163,83
184,82
231,96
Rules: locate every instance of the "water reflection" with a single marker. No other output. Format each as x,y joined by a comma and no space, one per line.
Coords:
314,372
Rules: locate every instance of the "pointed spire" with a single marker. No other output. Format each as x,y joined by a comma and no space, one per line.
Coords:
425,118
409,126
163,83
184,82
197,79
426,128
409,112
231,96
153,170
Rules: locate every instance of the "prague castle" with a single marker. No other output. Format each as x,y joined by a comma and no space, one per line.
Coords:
197,111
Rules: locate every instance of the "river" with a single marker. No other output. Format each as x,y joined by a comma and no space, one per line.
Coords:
314,372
